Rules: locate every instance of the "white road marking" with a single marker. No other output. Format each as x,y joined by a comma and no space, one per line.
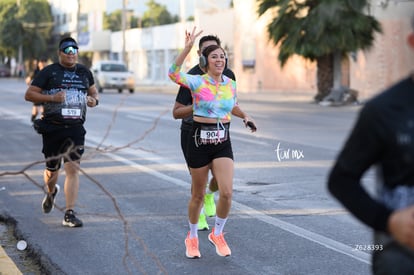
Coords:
243,209
296,230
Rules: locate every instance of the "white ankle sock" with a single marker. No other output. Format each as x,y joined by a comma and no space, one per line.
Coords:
219,225
193,230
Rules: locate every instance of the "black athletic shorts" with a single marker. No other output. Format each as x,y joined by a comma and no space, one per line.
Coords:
60,141
185,139
202,148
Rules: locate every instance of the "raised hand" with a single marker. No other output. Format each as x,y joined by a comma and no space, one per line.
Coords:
191,37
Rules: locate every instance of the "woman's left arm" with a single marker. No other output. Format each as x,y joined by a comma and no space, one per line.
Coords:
238,112
248,121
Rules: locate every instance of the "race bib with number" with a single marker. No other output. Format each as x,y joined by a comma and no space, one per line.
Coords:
210,134
71,112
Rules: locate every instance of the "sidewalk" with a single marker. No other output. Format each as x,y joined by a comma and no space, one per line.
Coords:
263,96
7,266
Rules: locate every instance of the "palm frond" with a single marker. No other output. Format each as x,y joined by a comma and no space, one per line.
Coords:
315,28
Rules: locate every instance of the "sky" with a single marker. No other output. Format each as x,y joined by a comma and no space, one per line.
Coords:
173,6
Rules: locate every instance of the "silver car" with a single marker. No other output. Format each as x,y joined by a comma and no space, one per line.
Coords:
113,75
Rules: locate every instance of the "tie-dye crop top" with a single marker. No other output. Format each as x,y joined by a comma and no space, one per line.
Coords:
210,99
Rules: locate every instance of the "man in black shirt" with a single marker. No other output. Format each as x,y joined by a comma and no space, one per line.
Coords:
37,108
66,88
383,136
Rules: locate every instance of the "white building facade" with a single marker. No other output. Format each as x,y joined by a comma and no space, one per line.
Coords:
150,51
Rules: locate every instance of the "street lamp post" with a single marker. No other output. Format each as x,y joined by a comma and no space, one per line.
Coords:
123,57
20,53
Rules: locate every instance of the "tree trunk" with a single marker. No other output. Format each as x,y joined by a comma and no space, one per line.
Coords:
337,67
324,76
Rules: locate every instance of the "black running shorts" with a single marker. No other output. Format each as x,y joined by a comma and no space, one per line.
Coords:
67,142
201,152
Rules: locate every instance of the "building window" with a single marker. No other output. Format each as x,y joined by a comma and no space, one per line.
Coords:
159,65
150,62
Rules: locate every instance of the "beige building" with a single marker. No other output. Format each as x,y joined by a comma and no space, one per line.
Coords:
391,58
252,56
258,69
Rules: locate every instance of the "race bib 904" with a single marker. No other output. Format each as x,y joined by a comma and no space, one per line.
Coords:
212,134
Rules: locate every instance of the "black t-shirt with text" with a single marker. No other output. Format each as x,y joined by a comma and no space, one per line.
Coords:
75,82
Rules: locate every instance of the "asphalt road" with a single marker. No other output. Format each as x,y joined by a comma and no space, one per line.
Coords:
135,189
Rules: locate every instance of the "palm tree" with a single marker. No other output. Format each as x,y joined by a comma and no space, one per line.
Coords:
324,31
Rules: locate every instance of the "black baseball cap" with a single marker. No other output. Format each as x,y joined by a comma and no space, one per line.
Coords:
68,43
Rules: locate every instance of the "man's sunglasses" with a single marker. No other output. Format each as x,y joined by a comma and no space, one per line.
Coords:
70,50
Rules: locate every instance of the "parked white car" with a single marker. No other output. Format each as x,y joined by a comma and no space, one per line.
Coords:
111,74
